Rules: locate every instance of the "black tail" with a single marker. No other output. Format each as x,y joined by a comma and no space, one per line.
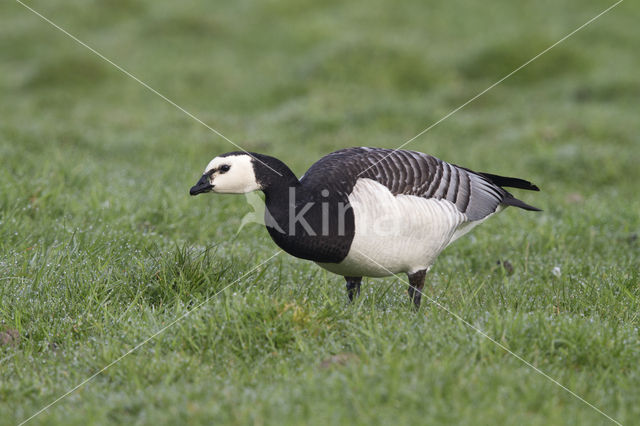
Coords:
510,200
511,182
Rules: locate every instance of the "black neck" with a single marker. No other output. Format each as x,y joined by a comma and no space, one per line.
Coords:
272,174
277,182
275,179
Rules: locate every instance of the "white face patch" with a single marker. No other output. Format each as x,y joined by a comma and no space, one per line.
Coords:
238,179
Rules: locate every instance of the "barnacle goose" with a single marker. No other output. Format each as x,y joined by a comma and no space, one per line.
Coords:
366,211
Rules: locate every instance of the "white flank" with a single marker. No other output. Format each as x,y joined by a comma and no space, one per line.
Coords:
402,233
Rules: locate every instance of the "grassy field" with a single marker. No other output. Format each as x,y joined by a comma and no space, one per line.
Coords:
101,245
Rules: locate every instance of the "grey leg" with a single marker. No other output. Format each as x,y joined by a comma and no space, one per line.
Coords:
416,284
353,287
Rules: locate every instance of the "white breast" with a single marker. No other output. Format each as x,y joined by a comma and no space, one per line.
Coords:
397,233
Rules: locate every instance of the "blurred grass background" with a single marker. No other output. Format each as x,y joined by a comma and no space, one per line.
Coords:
101,245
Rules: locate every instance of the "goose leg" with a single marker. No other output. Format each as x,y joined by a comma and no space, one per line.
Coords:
353,287
416,283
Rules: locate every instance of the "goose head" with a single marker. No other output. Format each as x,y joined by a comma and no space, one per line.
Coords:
231,173
241,172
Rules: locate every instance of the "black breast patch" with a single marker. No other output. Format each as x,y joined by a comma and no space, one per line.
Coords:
310,225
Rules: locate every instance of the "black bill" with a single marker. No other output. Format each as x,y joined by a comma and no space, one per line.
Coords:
203,185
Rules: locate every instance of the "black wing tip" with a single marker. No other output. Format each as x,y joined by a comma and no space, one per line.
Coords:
521,184
510,182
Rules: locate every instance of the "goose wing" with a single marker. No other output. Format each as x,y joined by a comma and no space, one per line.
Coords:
412,173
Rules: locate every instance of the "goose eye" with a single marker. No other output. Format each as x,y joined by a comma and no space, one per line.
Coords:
224,168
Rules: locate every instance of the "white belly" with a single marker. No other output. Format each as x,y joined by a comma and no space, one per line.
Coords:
401,233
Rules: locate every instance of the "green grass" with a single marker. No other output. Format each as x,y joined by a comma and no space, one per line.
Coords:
101,246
